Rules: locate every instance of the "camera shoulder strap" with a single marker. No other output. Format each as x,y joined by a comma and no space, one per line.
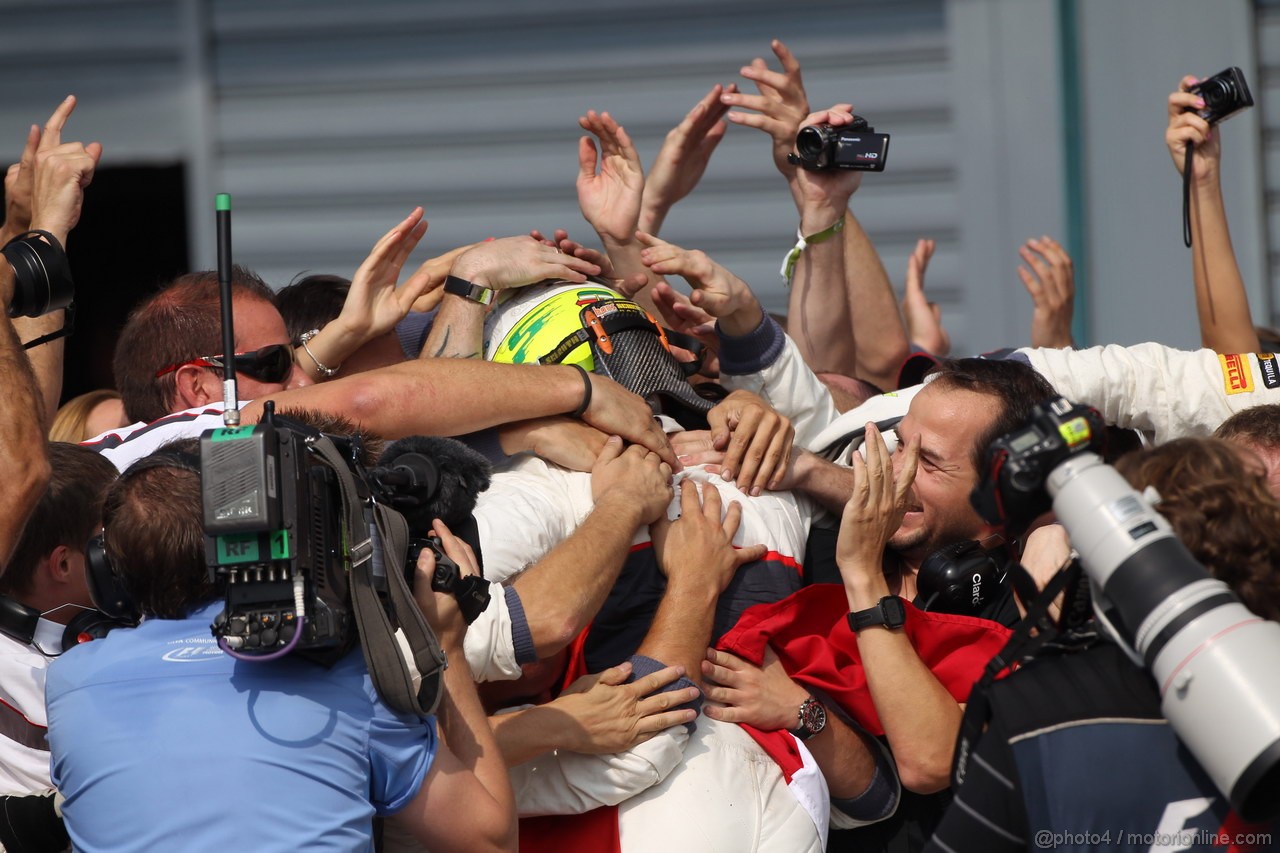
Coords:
390,673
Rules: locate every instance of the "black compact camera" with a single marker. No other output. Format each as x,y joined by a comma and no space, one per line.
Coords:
820,147
1011,491
1224,94
471,592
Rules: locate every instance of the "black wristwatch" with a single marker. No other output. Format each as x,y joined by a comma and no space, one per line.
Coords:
811,719
467,290
889,612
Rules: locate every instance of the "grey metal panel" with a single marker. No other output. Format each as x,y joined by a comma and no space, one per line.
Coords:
1267,93
333,119
119,58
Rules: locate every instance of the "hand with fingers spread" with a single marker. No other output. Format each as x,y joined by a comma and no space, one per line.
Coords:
517,261
441,608
1051,283
374,303
696,550
779,107
684,156
636,476
612,715
875,507
681,315
62,171
761,696
716,290
923,318
756,438
610,180
1186,126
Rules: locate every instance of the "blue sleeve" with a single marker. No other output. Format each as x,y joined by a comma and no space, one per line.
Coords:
642,666
521,636
752,352
486,443
401,749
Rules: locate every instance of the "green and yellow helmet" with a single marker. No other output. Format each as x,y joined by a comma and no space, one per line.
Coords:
599,329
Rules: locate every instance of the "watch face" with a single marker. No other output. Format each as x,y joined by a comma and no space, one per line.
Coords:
813,717
895,614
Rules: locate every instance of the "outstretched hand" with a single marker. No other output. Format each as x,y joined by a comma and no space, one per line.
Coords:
684,156
923,318
519,261
716,290
613,715
778,109
1051,283
374,303
610,180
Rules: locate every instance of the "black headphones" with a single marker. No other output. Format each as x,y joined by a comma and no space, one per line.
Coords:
107,589
18,622
960,578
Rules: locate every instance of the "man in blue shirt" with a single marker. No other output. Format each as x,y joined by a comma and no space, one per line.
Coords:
160,741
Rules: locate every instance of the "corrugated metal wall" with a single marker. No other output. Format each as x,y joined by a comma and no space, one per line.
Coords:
1267,92
333,119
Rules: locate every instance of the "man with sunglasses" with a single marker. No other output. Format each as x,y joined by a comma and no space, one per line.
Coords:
169,372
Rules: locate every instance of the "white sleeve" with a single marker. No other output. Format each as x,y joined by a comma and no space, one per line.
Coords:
1159,390
793,389
572,783
489,646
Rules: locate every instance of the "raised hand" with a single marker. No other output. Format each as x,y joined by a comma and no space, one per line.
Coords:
716,290
684,156
1185,126
19,184
62,171
560,240
778,109
824,196
1051,283
374,303
610,180
923,318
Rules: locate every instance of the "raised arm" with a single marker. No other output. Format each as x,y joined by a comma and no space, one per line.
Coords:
45,191
1049,278
1222,303
922,317
683,158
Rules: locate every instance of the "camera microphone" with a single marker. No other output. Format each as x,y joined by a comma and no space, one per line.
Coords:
425,478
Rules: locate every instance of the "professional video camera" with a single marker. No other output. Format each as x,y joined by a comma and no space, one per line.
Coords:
1213,659
301,535
855,146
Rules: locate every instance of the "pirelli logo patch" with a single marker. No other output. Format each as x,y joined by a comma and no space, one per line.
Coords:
1237,376
1270,367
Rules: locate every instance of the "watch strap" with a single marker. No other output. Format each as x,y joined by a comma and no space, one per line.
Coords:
879,615
811,718
468,290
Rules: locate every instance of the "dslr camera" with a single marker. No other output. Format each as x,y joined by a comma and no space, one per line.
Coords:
1225,94
820,147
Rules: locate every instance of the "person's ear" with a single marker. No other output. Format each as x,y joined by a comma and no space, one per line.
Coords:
191,386
59,563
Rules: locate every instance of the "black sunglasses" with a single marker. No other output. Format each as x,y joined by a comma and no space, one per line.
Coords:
269,364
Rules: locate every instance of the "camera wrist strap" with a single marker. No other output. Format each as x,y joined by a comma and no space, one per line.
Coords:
802,243
388,670
1186,195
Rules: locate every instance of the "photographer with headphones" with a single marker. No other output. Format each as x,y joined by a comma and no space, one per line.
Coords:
44,610
161,741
